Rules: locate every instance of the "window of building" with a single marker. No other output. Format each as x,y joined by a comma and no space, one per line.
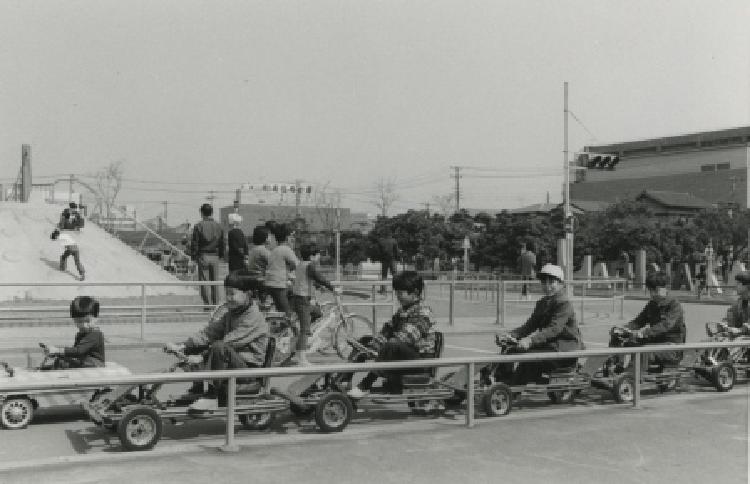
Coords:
708,167
722,166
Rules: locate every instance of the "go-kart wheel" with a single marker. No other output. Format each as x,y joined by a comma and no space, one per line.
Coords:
564,396
723,376
257,421
16,413
498,400
139,429
333,412
624,389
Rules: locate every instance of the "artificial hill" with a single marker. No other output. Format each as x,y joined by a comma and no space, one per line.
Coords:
27,254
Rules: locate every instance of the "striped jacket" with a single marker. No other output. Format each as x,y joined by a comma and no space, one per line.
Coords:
413,326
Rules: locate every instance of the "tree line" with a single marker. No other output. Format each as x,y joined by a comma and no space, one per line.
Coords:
626,226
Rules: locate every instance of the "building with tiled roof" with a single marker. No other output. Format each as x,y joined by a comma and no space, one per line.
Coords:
710,165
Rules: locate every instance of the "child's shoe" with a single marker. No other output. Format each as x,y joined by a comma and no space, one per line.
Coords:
205,405
357,393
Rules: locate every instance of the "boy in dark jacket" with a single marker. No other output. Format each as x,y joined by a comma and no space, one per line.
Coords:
88,348
236,338
552,326
660,322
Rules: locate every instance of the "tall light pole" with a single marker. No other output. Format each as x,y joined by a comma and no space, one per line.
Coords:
566,194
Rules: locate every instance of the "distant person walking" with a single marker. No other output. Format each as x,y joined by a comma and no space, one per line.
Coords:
207,249
69,248
527,266
237,248
389,254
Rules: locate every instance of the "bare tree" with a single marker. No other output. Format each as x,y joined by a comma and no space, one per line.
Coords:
445,203
385,192
327,202
108,183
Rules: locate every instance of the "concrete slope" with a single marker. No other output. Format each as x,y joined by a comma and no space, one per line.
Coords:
28,255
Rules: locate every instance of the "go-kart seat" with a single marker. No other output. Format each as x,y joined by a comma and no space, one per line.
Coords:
421,376
256,384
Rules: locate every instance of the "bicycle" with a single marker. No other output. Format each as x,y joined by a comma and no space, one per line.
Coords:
336,327
328,333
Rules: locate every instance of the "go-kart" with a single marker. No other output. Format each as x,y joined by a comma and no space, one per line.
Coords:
497,397
323,396
17,408
137,413
617,376
722,366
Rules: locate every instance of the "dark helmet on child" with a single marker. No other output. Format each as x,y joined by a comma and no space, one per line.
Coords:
83,306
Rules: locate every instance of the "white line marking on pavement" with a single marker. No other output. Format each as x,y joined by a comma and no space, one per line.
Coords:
454,347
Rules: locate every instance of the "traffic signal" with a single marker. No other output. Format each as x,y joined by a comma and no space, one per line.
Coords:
600,161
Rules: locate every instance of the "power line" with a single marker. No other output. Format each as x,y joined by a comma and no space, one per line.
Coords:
582,125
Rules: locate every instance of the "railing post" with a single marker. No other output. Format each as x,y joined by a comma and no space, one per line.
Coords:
583,296
470,395
637,380
143,313
502,303
614,295
496,295
451,296
229,445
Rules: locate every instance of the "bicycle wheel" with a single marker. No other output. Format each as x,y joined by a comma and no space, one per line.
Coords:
355,327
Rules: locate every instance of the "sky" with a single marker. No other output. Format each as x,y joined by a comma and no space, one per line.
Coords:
195,97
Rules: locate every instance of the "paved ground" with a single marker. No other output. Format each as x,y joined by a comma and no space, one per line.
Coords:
691,436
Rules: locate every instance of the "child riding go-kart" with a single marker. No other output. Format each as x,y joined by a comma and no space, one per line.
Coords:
408,336
551,327
136,412
17,408
496,393
324,396
617,376
660,322
722,366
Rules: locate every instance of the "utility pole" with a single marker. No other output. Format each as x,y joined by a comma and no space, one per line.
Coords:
457,176
70,188
568,222
297,197
165,202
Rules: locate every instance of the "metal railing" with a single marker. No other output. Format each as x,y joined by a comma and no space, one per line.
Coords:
499,291
231,376
495,291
